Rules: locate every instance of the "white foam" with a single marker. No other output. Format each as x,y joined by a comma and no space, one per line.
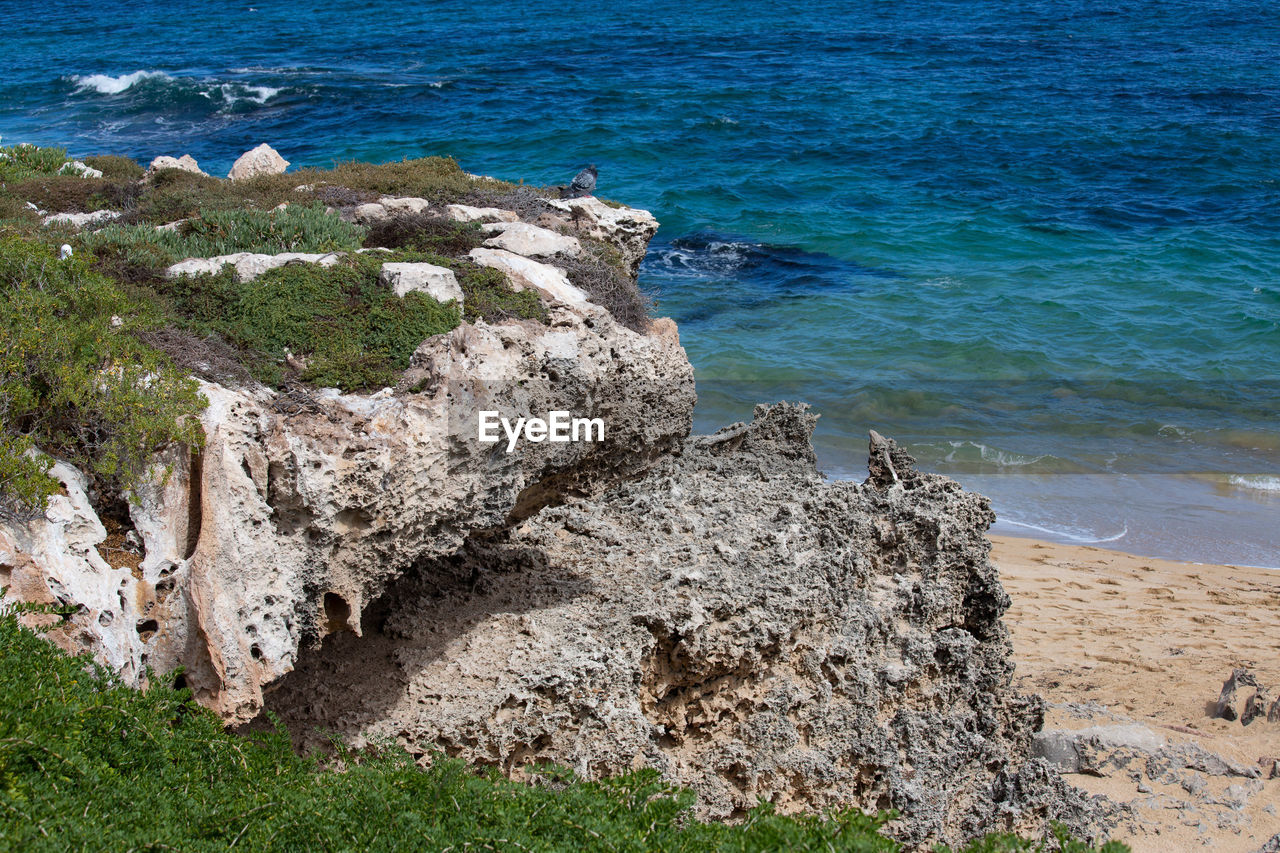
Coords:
1257,482
1083,540
105,84
1001,458
233,92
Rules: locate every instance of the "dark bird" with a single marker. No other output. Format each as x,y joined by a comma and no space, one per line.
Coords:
584,183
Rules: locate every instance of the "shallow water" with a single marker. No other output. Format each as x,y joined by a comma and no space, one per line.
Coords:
1035,242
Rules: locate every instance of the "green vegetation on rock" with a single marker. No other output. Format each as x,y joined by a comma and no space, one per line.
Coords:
18,162
297,228
343,327
76,381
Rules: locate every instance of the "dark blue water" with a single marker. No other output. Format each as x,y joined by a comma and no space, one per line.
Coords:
1038,242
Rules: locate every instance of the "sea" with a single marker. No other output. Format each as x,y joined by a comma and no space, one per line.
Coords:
1036,242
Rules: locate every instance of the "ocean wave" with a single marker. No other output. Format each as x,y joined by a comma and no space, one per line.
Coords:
104,84
963,451
158,89
1079,538
233,92
1257,482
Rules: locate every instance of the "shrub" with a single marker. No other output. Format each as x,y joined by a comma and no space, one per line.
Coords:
70,193
487,296
112,166
486,293
175,194
297,228
76,382
21,161
437,179
527,201
425,232
600,273
15,213
340,325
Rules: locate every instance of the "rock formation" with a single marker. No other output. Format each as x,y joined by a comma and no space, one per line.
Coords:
709,607
186,163
303,505
731,619
627,228
263,160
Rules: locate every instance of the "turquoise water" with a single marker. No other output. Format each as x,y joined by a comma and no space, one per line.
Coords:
1037,242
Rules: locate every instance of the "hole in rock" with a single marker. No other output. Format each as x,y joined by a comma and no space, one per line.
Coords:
337,613
195,507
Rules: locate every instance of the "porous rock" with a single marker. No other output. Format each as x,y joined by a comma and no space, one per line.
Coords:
249,265
302,506
82,220
262,160
1228,701
186,163
437,282
734,621
467,213
628,228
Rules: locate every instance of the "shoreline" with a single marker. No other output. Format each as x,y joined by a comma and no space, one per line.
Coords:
1112,639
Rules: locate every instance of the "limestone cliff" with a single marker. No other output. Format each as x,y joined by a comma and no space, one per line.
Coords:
752,631
303,505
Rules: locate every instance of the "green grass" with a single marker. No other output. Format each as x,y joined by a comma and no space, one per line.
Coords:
88,764
77,382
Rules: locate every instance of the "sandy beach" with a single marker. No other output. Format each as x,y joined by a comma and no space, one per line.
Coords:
1121,645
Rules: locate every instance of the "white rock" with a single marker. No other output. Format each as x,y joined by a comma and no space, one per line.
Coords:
628,228
54,560
79,168
408,204
80,220
522,272
438,282
530,240
466,213
186,163
248,264
263,160
370,212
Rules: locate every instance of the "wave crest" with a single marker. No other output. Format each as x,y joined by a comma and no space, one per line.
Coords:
156,89
105,84
1257,482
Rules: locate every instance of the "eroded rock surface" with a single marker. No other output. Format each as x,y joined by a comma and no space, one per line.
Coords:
303,506
629,229
186,163
732,620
